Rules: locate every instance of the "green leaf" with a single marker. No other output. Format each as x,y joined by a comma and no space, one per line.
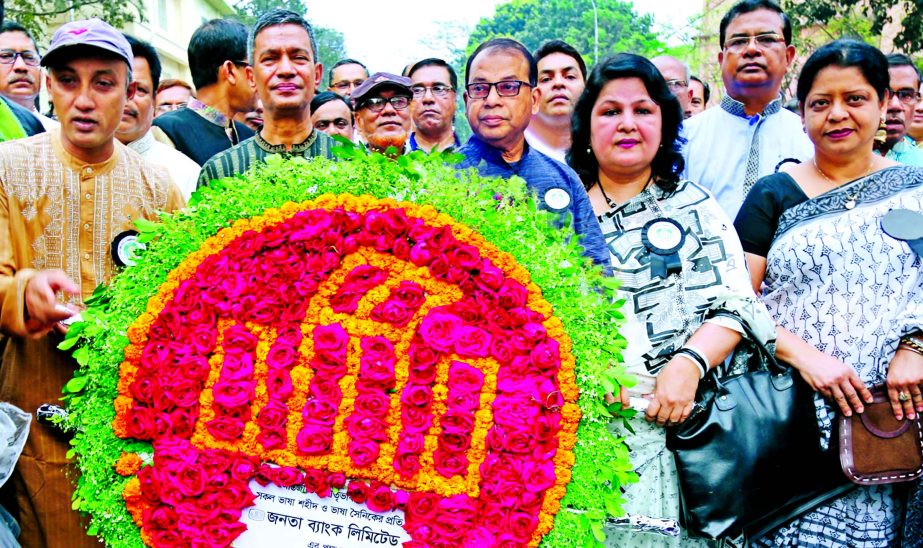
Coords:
82,355
598,533
76,384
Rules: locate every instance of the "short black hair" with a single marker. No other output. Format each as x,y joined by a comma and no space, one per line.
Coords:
901,60
274,18
845,53
213,43
749,6
560,46
505,44
13,26
435,62
140,48
668,162
705,87
342,62
325,97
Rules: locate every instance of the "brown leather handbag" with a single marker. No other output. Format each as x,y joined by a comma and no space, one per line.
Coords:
876,448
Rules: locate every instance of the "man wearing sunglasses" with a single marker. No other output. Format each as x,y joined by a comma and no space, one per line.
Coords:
382,110
217,59
433,84
749,131
902,100
20,74
501,96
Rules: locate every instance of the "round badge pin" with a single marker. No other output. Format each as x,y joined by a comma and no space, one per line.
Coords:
124,248
664,236
557,199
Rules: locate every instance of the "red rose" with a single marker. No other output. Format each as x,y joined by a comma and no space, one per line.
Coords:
183,421
232,393
464,378
546,426
421,508
439,266
150,484
501,349
374,404
440,330
457,422
377,375
168,538
331,339
223,534
420,254
512,294
235,495
314,440
407,464
190,479
144,387
363,427
459,277
194,367
315,480
139,423
546,356
489,276
395,221
243,468
450,463
441,238
422,355
326,388
318,412
184,393
512,440
337,480
159,517
465,257
417,395
281,356
393,312
225,428
409,293
454,442
363,452
287,476
279,383
273,416
382,500
358,491
469,310
238,338
416,419
271,439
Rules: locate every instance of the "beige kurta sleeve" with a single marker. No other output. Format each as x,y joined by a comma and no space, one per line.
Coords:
13,279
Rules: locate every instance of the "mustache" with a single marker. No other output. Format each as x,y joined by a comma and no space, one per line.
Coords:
133,112
13,78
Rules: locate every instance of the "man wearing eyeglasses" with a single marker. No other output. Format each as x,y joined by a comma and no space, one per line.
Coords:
345,76
172,94
433,84
730,147
676,73
500,98
217,59
381,105
285,74
20,74
902,100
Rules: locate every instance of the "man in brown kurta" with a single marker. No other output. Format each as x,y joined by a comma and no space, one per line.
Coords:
64,197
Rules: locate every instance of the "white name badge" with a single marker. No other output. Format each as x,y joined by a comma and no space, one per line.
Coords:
290,517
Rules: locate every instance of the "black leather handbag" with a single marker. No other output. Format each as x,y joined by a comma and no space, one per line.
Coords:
749,456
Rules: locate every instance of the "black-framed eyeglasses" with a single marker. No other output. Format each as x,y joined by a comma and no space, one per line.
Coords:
29,57
676,85
763,41
438,90
377,104
906,95
505,88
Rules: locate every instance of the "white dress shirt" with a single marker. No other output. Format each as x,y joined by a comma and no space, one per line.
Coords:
183,171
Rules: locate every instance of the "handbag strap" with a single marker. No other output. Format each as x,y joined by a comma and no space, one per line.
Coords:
770,359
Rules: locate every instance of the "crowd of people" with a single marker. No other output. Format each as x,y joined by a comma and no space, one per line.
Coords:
748,208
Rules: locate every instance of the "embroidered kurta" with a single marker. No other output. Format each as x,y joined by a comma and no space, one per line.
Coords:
58,212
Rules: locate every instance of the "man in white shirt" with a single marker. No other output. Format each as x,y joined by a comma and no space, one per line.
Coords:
20,74
749,134
135,129
561,79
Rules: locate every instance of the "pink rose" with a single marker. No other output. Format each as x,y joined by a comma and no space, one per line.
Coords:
442,239
183,421
337,480
422,507
455,442
439,330
501,350
376,349
281,356
416,419
168,538
139,423
457,422
382,500
326,388
374,404
538,477
464,378
345,301
421,354
273,416
417,395
279,383
517,411
184,393
319,412
420,254
401,249
365,277
479,537
237,367
512,440
314,440
410,294
465,257
548,395
363,452
450,463
243,468
159,517
190,480
407,464
239,339
512,294
490,277
232,393
223,534
469,310
144,387
271,439
546,356
362,427
411,442
235,495
439,266
393,312
225,428
287,476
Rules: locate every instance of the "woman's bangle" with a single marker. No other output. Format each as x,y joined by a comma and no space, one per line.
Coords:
696,356
912,343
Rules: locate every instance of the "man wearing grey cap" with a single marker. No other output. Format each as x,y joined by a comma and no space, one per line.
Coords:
285,72
65,197
382,116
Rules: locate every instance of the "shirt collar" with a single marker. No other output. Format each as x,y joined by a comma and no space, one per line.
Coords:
736,108
493,154
72,162
143,144
415,146
209,113
298,149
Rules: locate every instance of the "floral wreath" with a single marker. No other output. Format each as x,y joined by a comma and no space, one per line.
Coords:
300,326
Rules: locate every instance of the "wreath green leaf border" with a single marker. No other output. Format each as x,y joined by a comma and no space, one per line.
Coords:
503,211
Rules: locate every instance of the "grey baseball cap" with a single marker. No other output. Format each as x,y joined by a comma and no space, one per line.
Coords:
89,32
377,81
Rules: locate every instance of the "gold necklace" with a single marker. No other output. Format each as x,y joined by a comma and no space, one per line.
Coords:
851,199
